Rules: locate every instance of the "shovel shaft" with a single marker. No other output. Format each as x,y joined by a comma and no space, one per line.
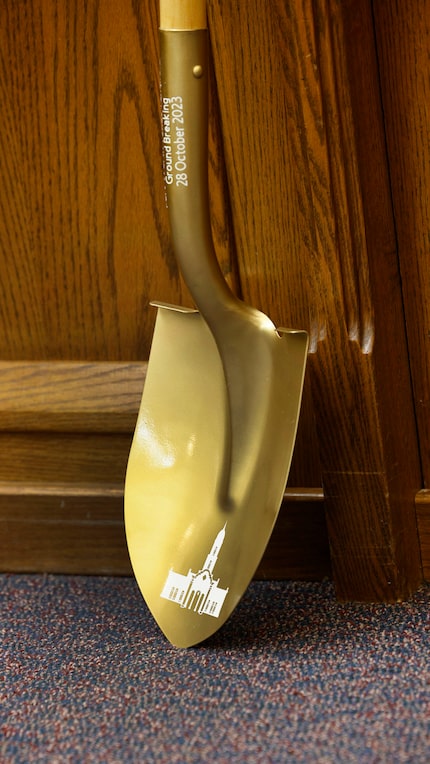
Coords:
184,89
184,93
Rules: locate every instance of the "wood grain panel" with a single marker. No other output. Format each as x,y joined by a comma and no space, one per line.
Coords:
70,396
78,458
64,529
383,420
403,35
84,240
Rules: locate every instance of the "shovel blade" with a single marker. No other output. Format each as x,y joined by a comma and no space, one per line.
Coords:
193,554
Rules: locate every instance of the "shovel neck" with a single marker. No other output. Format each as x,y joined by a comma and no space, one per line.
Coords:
184,113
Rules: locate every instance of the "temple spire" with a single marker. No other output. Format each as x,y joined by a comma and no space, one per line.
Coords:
213,554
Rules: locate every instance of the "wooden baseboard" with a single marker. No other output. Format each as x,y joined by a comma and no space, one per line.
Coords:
62,529
66,529
422,503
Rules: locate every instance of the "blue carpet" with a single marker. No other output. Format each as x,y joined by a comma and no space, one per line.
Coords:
293,676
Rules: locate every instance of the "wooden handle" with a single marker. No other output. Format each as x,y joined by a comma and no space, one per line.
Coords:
183,14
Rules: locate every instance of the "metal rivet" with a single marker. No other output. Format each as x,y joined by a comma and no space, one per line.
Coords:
198,71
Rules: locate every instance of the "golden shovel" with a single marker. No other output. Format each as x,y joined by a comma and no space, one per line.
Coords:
218,418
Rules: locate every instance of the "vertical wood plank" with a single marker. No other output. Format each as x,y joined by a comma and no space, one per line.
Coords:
403,37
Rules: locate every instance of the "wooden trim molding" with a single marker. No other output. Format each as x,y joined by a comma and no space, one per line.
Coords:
70,396
422,503
79,529
62,529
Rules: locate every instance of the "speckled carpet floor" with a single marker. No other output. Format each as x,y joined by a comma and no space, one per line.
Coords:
294,676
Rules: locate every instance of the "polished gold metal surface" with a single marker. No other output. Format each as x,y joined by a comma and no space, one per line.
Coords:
218,419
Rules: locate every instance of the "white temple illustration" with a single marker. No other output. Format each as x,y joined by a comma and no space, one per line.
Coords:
198,591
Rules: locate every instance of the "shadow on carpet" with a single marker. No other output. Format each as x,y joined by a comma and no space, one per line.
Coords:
293,676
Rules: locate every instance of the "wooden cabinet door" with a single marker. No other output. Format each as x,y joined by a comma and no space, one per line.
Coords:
303,228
